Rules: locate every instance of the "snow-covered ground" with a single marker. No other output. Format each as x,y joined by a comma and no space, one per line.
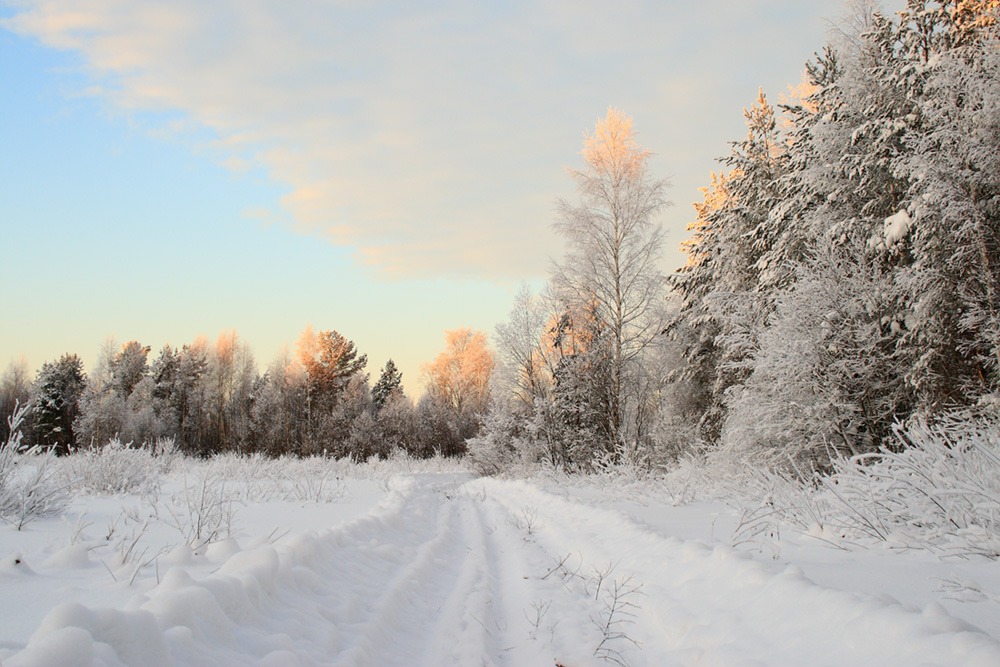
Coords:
442,568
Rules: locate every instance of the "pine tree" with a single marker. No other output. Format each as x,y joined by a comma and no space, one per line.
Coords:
389,384
737,257
330,361
953,162
129,367
55,396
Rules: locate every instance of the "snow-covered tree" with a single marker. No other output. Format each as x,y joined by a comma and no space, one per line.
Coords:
15,390
400,425
389,384
55,396
738,256
442,430
129,367
828,372
190,398
331,363
613,251
952,222
523,367
279,407
458,379
501,442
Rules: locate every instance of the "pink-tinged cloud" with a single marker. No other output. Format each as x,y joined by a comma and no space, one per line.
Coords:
428,137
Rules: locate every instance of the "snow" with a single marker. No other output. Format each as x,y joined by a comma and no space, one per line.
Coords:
896,227
443,568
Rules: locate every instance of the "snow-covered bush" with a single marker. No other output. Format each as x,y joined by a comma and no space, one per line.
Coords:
498,446
203,511
28,488
828,375
936,487
9,456
940,490
401,463
117,467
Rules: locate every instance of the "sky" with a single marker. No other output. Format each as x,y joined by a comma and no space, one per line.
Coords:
388,170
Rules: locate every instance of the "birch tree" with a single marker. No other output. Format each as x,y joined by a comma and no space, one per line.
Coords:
614,246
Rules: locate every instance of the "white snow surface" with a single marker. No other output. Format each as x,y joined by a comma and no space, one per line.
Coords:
896,227
448,569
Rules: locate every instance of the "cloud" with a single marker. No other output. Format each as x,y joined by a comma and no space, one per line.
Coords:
429,137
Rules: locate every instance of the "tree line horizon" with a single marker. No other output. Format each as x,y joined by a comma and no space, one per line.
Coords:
212,397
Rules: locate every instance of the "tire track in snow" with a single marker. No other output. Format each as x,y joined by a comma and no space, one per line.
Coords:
541,617
462,634
398,622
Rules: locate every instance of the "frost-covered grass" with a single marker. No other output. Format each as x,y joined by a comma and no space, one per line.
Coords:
117,467
939,491
936,489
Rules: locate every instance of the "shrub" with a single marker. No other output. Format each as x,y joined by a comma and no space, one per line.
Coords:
28,489
117,467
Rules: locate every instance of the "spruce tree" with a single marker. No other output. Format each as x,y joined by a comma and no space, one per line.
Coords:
389,384
55,396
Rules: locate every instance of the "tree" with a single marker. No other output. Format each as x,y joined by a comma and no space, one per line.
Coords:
231,374
614,247
191,400
331,363
279,408
828,373
583,393
738,255
500,443
330,360
341,430
400,425
164,374
441,430
56,396
129,367
458,379
389,384
953,216
522,364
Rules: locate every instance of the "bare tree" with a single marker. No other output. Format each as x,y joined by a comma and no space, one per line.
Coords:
521,366
458,378
614,248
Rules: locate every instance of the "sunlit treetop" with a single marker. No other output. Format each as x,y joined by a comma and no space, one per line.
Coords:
612,150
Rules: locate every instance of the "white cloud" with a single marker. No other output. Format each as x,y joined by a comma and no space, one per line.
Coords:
430,137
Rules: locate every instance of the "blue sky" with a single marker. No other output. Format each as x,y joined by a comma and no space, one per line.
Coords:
173,168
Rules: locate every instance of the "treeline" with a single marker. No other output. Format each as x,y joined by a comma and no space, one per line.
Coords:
211,398
843,274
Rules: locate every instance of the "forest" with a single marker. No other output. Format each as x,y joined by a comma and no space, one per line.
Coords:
841,286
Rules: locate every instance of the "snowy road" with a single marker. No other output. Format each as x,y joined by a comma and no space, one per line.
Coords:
448,571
